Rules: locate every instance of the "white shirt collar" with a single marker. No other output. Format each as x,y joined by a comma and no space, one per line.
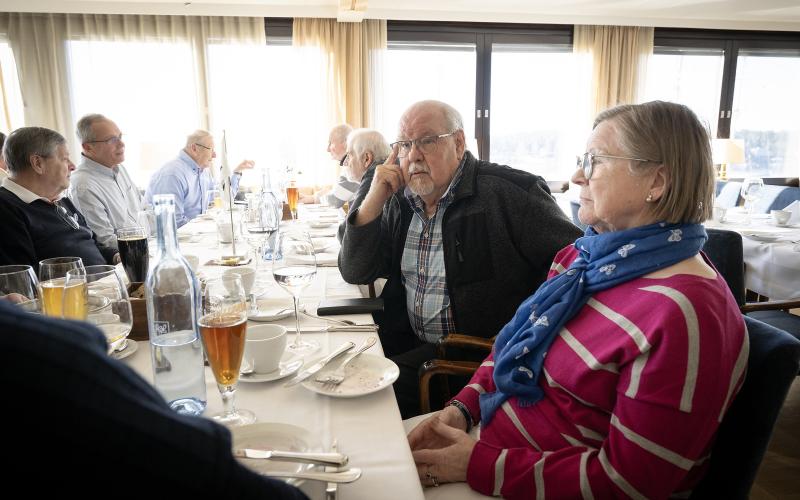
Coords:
22,193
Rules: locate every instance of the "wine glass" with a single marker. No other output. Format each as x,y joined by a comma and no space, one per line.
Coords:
752,189
258,224
294,268
52,273
223,327
98,294
19,285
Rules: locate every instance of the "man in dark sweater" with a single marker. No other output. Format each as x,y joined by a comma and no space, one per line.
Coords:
462,242
37,224
83,424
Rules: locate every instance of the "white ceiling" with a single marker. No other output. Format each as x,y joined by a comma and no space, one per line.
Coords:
721,14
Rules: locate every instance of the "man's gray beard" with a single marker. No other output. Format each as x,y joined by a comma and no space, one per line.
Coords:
420,186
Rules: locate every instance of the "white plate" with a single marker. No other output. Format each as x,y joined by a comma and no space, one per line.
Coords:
274,436
289,365
322,245
274,314
320,224
130,347
761,236
366,374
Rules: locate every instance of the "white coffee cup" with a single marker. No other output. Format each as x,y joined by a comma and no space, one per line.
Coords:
264,348
719,213
247,275
781,217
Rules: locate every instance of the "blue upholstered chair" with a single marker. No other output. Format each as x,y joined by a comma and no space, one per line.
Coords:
745,431
728,196
784,198
575,206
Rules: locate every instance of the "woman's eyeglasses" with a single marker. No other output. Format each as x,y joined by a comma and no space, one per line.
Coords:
586,162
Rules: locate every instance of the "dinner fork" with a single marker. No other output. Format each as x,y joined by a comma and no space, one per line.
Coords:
336,377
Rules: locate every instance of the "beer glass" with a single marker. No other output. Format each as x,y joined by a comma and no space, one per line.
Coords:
294,268
19,285
223,328
98,294
292,196
52,273
133,251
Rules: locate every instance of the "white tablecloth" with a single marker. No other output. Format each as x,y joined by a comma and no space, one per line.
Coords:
368,428
772,268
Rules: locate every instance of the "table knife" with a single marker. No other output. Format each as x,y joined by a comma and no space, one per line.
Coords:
331,459
319,365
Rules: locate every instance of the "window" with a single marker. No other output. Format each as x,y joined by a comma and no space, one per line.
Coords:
765,112
534,109
10,98
514,86
687,76
147,88
442,71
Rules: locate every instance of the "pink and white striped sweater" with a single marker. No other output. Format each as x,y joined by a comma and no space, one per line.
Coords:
635,387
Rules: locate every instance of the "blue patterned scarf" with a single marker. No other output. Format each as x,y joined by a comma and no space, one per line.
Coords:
604,261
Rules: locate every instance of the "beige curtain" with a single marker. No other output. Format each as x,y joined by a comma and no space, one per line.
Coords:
351,58
618,58
39,41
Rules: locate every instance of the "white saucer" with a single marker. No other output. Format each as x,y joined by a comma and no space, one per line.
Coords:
274,436
289,365
131,347
367,373
270,314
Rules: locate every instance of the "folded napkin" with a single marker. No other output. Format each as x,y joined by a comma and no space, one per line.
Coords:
794,207
323,259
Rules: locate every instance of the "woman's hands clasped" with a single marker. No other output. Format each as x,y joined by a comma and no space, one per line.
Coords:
441,448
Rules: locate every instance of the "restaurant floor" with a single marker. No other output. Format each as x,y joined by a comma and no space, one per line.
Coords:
779,475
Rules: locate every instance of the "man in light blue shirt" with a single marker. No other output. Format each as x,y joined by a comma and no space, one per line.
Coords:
188,178
100,187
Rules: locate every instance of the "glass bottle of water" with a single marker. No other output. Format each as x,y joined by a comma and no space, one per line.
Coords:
172,294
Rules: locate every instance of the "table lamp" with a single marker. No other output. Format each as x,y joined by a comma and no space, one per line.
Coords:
725,151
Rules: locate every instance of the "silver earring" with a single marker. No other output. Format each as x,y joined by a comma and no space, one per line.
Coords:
649,198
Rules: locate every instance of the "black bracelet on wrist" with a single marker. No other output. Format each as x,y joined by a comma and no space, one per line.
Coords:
464,411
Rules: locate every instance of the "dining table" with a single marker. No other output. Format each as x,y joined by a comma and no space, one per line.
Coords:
366,427
771,253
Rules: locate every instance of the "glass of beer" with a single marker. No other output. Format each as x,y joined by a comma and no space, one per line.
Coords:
98,294
223,327
52,274
19,285
132,243
292,195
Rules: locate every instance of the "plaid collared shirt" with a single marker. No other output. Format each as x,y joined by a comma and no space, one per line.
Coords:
422,267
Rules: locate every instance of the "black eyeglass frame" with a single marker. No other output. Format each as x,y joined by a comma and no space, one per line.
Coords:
114,139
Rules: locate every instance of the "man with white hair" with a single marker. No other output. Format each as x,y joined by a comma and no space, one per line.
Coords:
344,189
37,222
366,149
187,177
462,242
101,187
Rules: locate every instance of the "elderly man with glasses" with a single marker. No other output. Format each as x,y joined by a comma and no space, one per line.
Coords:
101,187
462,242
37,224
188,178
